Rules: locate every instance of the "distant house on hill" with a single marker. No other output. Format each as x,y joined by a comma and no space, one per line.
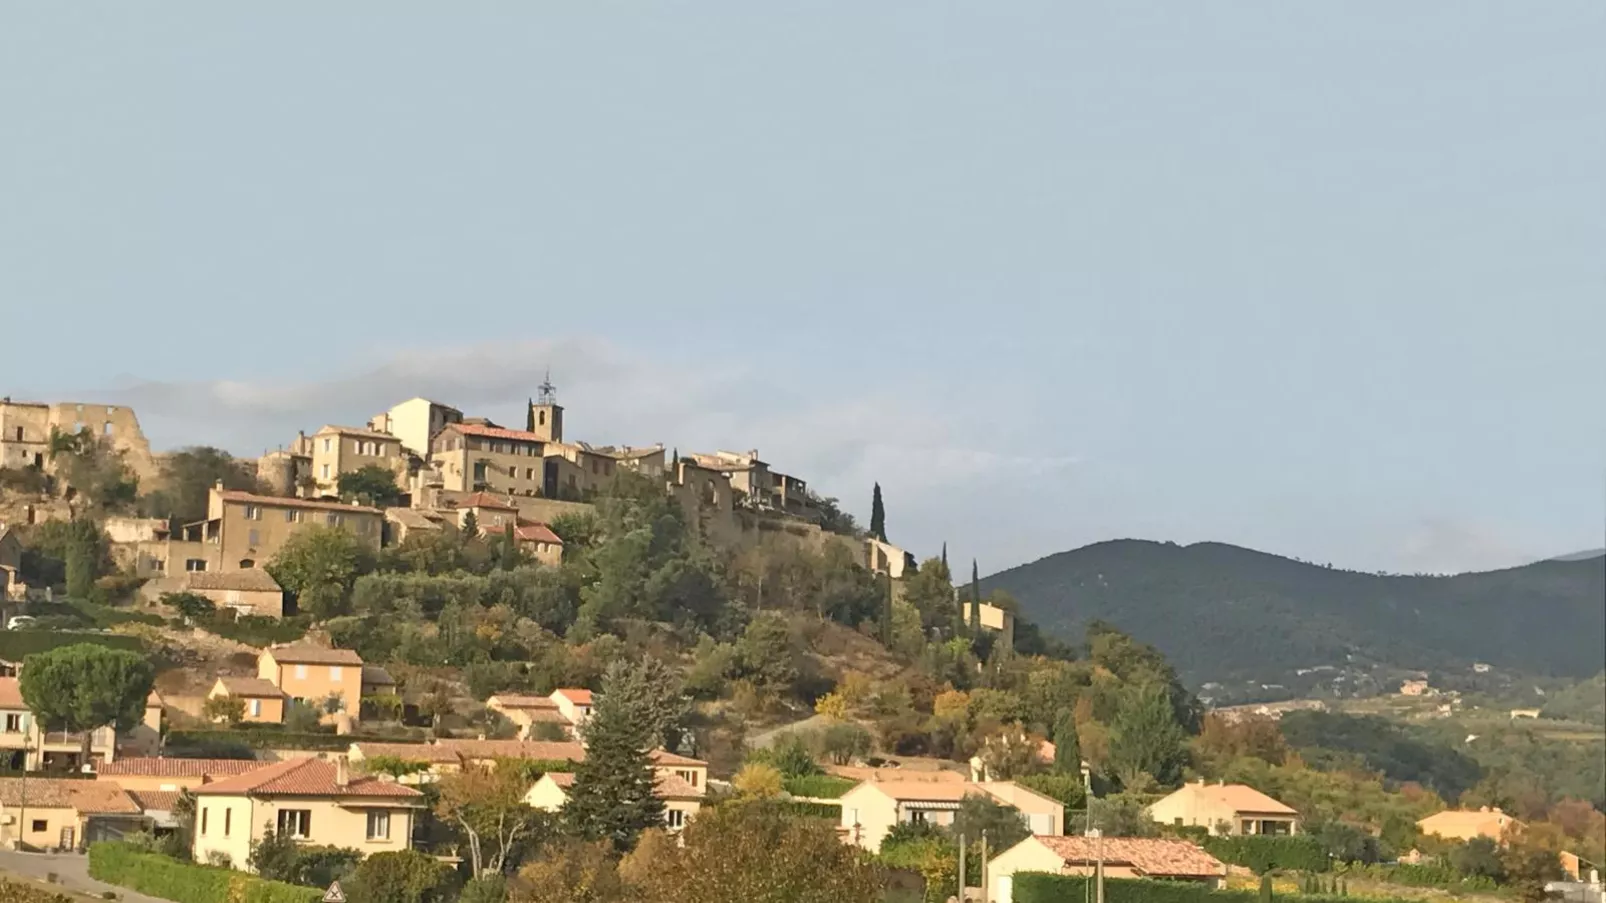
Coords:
1225,809
1122,857
1465,824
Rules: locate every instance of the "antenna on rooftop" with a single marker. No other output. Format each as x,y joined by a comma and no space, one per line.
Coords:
547,393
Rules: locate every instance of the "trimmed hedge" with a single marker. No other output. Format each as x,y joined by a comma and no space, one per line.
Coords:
831,811
270,738
1265,853
819,786
16,645
159,876
1041,887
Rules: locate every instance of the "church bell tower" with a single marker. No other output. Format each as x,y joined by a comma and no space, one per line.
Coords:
545,417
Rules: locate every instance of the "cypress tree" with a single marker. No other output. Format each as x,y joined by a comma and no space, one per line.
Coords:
945,556
1067,746
510,549
878,515
529,415
471,525
975,599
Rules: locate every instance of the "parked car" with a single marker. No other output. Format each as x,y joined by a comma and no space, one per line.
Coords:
20,622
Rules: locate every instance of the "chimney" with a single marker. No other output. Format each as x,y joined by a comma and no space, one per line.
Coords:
1483,808
342,772
218,485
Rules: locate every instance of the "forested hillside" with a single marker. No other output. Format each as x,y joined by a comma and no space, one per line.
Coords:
1220,612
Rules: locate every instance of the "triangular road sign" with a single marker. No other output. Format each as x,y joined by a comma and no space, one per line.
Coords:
334,894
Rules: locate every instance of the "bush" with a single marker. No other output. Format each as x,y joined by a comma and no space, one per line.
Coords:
22,893
819,786
158,876
404,876
1265,853
16,645
1039,887
796,809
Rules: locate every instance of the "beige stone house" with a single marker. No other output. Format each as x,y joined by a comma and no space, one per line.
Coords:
1225,809
315,801
312,674
244,530
252,592
27,745
575,704
264,701
1123,857
56,813
475,457
414,422
338,450
679,781
527,711
871,809
536,540
165,774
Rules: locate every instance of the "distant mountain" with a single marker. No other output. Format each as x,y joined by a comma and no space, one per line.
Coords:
1223,613
1581,556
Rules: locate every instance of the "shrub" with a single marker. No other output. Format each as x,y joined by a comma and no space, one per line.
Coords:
819,786
158,876
796,809
404,876
1265,853
1040,887
22,893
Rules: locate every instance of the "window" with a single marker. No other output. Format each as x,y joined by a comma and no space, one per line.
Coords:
379,826
688,775
334,520
13,724
106,428
327,446
228,819
19,434
246,564
335,673
540,418
292,516
253,538
252,512
39,826
301,672
917,817
529,473
513,473
675,818
194,565
256,708
204,813
324,471
295,822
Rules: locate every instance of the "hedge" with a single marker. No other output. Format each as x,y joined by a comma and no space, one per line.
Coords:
1041,887
1263,853
831,811
16,645
11,892
181,882
819,786
259,738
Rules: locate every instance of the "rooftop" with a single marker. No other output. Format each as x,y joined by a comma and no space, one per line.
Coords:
158,800
170,767
1238,797
101,797
546,750
665,758
308,654
1162,858
250,687
305,777
486,500
408,752
493,432
521,701
11,694
247,580
241,497
576,696
363,431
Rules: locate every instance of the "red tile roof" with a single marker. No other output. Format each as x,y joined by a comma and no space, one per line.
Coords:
305,777
664,757
1238,797
159,800
1150,856
493,432
557,751
308,654
254,580
169,767
521,701
563,779
536,533
279,501
674,787
486,500
87,797
578,697
11,694
409,752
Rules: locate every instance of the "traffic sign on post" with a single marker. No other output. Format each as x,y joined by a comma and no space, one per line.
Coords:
334,894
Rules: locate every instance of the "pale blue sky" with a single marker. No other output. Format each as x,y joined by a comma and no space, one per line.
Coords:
1322,279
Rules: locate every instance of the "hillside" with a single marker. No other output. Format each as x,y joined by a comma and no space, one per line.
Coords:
1224,613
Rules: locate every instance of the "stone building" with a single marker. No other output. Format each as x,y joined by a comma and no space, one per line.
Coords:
339,450
415,422
25,429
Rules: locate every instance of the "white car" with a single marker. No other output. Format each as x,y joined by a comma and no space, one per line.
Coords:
20,622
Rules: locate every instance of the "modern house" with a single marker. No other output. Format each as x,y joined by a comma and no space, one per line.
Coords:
574,704
679,781
264,701
871,809
1225,809
528,711
312,800
1122,857
56,813
315,674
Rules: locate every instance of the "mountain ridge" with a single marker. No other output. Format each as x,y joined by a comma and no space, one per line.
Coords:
1228,613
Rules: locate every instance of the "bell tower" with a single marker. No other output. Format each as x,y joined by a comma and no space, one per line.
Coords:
545,416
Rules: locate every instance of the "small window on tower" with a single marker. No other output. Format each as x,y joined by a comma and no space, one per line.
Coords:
541,418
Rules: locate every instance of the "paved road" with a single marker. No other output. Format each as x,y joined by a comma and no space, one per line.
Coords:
71,870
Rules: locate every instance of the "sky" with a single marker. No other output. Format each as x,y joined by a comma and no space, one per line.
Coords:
1324,280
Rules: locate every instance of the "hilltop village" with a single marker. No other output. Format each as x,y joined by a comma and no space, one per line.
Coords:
439,657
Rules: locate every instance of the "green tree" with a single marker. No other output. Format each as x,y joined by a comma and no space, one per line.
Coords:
878,515
82,687
486,807
93,469
1121,815
612,798
83,562
975,600
1145,739
931,591
190,605
755,853
651,691
319,564
370,484
471,524
187,478
401,876
844,742
757,780
1067,746
228,709
1005,825
570,871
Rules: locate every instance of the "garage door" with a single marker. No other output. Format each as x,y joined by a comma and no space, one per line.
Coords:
1006,888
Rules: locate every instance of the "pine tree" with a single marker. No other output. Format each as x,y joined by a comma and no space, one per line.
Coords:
878,515
1067,746
612,798
510,549
471,525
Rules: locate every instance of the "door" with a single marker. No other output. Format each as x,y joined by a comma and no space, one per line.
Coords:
1006,888
68,836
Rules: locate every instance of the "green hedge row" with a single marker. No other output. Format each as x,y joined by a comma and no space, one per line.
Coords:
831,811
819,786
1265,853
159,876
269,738
1041,887
16,645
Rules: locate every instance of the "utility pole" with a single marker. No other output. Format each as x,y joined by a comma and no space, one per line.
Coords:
961,868
1098,866
984,893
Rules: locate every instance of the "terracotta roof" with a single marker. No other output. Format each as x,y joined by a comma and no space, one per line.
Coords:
521,701
365,432
537,533
578,697
1238,798
564,779
664,757
674,787
247,580
493,432
11,694
409,752
925,791
374,674
250,687
305,777
411,519
561,750
1160,858
308,654
159,800
101,797
170,767
860,773
280,501
486,500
